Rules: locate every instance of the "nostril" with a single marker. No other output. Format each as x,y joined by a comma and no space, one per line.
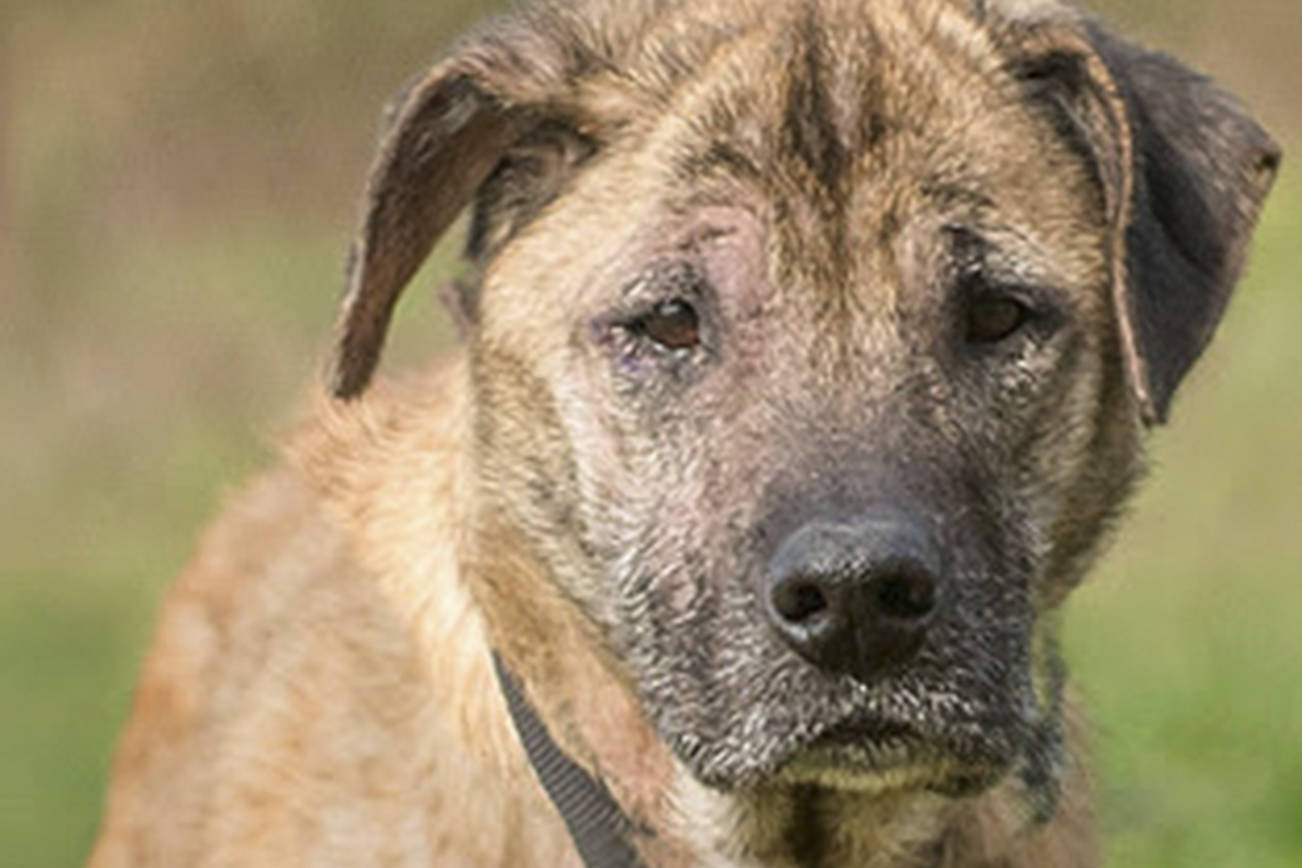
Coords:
907,594
856,598
798,602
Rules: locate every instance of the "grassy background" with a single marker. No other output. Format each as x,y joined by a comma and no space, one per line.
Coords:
177,185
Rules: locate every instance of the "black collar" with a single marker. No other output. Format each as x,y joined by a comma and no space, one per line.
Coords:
598,826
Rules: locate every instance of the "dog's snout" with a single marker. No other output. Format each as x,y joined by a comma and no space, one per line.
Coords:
855,597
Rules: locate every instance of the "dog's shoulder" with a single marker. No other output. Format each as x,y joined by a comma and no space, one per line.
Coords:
301,695
229,653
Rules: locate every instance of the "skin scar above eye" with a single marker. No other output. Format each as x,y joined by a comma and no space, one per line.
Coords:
707,235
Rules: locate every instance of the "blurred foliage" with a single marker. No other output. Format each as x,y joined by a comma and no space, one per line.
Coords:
177,185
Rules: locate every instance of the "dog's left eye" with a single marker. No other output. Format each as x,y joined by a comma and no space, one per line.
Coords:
671,324
992,318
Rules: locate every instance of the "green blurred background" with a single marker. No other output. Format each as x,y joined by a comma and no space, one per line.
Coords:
177,186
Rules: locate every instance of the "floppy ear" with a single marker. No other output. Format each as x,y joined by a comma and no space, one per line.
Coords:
446,134
1184,170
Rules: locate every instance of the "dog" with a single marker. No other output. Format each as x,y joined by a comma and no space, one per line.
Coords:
810,346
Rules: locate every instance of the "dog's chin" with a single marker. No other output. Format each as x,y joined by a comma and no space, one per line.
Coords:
871,758
881,764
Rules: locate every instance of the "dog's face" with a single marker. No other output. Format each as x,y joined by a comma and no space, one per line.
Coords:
812,346
808,315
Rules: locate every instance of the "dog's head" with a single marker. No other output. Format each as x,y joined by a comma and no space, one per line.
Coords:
812,344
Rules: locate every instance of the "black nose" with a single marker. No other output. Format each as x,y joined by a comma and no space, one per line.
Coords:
855,597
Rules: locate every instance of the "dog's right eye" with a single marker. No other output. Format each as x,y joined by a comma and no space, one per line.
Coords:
992,318
671,324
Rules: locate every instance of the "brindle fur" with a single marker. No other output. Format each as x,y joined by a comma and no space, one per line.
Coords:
825,180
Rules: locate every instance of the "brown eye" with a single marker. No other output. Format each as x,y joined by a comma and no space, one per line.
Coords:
672,324
993,318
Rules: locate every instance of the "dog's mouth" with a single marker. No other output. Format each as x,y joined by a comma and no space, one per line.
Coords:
884,755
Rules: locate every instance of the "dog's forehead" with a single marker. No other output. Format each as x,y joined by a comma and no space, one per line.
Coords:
862,112
664,46
831,83
822,92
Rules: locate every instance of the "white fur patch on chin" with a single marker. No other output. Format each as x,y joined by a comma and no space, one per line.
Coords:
871,769
895,779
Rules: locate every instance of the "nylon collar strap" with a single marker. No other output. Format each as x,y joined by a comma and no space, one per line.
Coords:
598,826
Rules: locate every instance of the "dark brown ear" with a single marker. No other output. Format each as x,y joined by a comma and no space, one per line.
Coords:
1184,170
445,137
1200,168
447,134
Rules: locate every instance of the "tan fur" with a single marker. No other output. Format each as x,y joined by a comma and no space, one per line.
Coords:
321,690
293,656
